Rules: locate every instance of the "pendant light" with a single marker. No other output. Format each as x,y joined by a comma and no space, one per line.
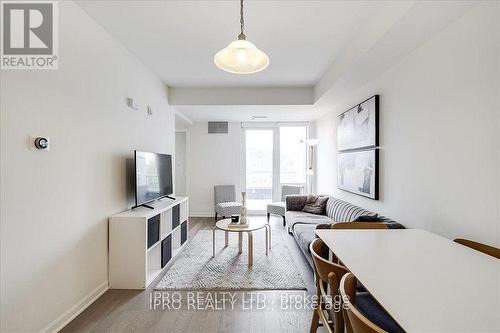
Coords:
241,56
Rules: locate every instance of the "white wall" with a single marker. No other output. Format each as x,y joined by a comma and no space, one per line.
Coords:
440,125
241,96
213,159
180,163
55,204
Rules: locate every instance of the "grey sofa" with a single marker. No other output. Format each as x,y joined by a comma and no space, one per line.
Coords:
302,225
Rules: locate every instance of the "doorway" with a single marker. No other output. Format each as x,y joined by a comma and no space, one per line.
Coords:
259,168
274,155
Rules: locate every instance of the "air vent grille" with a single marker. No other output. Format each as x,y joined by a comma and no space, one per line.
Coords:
217,127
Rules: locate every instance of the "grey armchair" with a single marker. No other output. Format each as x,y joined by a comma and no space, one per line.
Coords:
279,208
225,201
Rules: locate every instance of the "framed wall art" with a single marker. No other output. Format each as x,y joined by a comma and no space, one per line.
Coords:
357,127
357,172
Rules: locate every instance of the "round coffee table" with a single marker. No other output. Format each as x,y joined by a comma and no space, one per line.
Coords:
253,225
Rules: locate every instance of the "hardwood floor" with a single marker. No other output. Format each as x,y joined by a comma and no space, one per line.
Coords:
259,311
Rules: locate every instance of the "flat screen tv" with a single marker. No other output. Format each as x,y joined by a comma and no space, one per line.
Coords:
153,176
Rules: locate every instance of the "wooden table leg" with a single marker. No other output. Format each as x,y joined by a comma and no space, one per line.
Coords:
240,242
213,242
267,239
250,248
268,229
270,238
227,239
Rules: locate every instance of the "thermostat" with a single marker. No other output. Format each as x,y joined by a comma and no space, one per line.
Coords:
41,143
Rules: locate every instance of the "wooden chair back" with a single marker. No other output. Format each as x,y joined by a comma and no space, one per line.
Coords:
328,275
356,322
487,249
359,225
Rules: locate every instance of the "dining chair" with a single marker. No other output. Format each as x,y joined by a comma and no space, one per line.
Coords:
359,225
487,249
362,313
327,276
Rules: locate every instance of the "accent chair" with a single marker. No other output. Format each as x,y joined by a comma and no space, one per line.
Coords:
279,208
225,201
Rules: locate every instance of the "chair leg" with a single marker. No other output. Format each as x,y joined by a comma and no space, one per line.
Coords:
314,322
284,221
268,216
216,216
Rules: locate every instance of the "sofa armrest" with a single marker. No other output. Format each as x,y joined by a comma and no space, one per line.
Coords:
295,202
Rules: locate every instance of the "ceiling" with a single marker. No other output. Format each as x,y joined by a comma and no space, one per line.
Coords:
178,39
319,50
247,113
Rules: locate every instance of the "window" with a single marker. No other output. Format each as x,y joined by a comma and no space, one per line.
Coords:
293,160
274,156
259,168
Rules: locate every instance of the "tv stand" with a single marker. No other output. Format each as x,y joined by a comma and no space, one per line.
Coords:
151,207
143,205
144,242
165,196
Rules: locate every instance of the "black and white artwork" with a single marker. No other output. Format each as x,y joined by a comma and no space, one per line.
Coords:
358,127
358,172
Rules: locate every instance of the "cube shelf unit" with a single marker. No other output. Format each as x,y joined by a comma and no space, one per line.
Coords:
143,241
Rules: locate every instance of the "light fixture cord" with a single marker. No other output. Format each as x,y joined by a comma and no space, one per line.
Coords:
242,22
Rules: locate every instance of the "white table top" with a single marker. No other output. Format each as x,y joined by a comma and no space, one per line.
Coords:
426,282
253,224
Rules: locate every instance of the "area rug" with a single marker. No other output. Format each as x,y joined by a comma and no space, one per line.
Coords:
195,269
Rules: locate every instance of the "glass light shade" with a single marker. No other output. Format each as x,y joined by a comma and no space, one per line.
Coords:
310,172
241,57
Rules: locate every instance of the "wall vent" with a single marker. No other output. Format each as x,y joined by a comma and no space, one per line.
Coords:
217,127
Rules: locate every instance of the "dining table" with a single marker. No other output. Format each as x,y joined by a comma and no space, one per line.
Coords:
426,282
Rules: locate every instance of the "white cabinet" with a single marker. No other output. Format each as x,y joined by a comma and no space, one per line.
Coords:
143,241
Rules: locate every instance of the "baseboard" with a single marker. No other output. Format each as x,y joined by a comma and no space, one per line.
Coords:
64,319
